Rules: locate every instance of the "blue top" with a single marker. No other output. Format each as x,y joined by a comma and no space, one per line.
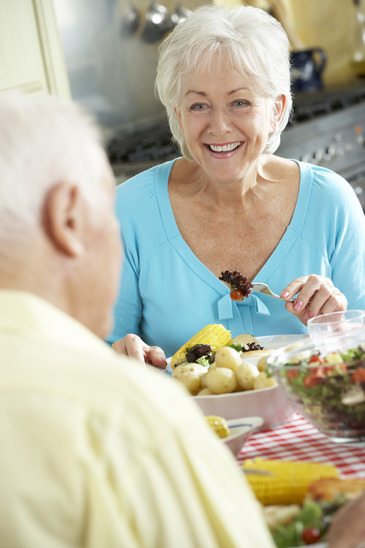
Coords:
167,295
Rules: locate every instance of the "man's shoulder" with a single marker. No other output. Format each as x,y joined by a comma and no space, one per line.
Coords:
93,381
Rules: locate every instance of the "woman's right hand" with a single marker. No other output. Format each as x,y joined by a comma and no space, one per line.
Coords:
316,295
134,347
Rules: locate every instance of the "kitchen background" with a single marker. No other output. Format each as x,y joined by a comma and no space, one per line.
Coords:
111,68
92,51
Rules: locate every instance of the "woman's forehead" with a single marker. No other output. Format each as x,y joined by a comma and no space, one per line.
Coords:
224,76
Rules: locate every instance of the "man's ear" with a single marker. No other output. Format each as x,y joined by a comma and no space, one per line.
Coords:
63,218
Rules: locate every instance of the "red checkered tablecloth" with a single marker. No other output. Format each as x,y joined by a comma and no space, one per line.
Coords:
299,440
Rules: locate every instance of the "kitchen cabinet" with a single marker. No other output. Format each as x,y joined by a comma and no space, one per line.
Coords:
31,58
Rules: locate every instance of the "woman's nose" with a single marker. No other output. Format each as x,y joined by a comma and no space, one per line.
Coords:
220,121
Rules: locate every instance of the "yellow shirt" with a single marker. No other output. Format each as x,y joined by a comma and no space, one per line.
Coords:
101,452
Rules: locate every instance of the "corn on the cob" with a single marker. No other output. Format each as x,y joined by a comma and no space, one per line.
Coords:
218,424
289,481
216,335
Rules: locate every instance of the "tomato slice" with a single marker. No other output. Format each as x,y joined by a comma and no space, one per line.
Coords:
311,381
315,359
291,374
358,376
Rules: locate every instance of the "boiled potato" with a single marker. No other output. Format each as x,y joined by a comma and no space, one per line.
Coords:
262,364
227,357
190,375
203,379
246,373
263,381
221,380
204,392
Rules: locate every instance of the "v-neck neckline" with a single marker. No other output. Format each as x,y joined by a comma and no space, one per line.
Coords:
175,238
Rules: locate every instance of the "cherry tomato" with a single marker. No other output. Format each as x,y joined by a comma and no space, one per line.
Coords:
236,295
311,535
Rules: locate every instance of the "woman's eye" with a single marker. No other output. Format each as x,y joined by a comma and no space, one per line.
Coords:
240,103
197,106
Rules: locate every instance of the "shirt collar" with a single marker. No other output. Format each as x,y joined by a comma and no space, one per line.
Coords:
225,306
28,315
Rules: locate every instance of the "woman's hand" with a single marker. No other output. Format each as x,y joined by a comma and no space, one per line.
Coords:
134,347
348,526
317,295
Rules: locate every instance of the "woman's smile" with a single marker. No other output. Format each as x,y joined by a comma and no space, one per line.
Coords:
225,150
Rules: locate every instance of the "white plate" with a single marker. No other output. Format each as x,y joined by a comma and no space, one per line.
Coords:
273,342
277,341
240,430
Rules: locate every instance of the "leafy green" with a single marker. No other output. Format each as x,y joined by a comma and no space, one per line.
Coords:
204,360
286,536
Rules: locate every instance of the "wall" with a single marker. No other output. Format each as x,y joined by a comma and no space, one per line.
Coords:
111,73
330,24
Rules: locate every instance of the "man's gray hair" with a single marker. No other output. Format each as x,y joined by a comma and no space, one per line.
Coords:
43,141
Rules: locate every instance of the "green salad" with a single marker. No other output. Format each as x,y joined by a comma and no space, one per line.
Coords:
329,391
309,526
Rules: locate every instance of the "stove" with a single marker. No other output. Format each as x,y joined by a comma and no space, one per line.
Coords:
326,128
134,151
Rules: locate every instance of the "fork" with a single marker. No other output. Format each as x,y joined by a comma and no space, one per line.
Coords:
263,288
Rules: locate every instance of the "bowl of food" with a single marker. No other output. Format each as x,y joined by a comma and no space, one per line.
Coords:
228,378
268,403
327,389
234,433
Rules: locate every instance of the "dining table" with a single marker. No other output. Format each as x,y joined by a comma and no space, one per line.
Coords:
299,440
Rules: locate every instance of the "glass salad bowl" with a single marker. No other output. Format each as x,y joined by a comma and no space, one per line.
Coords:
327,389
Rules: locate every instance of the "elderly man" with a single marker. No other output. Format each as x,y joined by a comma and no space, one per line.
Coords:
97,450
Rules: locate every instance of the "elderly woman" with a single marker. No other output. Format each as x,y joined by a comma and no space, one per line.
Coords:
229,203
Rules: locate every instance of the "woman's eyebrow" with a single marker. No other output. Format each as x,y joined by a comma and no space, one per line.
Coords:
204,94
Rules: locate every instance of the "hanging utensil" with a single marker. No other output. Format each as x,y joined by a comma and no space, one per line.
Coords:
158,23
131,20
180,14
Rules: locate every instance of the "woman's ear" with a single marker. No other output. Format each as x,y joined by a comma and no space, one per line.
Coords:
277,111
178,116
63,220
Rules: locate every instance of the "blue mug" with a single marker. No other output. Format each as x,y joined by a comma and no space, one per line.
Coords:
306,69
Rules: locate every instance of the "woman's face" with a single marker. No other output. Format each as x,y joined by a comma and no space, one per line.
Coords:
225,123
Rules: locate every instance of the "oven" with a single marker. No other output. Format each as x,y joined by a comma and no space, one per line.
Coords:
327,128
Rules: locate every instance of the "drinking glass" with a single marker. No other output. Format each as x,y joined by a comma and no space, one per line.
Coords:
337,331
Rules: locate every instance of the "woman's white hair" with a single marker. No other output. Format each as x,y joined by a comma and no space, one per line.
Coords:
43,141
247,38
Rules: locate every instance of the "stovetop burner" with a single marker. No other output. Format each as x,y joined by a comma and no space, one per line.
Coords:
307,106
152,144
